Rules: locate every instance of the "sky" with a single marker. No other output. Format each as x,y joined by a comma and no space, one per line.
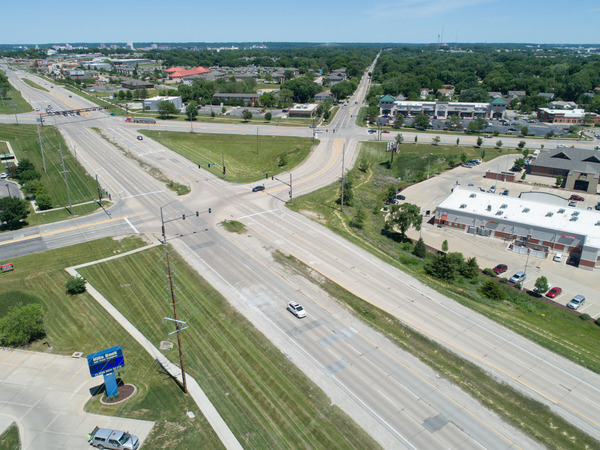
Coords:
394,21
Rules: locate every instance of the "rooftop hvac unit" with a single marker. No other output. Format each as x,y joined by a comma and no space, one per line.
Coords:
549,214
575,213
473,195
574,219
504,206
498,213
560,211
463,206
597,223
489,207
526,210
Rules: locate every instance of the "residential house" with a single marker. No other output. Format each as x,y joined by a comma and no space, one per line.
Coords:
516,94
325,95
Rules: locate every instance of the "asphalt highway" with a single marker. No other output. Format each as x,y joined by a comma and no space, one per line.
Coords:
401,402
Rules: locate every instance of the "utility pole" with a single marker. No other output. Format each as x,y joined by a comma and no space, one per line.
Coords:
65,174
41,148
15,110
291,191
223,162
176,324
257,140
99,192
342,197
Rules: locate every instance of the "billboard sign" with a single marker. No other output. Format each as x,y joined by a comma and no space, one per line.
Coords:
105,361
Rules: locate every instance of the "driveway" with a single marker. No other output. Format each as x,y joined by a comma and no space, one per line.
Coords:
45,394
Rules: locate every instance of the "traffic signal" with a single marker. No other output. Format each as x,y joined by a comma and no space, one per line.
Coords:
266,176
209,165
209,210
183,217
197,213
199,166
272,177
223,170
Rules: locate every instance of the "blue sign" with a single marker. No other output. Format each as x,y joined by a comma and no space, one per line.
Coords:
106,361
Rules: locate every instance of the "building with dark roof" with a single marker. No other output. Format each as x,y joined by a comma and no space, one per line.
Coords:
579,168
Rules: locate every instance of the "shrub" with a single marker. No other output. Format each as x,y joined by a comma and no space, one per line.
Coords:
420,249
75,285
490,289
21,325
43,202
489,272
585,316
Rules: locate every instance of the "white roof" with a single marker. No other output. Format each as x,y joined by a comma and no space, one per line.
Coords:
515,210
565,112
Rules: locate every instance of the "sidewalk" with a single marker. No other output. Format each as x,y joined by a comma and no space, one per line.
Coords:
212,415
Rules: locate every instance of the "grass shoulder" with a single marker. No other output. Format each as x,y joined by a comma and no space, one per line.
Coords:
10,440
14,103
33,84
261,395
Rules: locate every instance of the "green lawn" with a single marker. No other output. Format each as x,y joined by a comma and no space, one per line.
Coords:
549,326
78,323
13,97
34,84
9,440
266,401
26,145
243,163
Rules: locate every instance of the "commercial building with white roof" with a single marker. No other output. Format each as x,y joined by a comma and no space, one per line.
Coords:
535,222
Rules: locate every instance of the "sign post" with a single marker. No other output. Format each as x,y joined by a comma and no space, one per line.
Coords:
105,363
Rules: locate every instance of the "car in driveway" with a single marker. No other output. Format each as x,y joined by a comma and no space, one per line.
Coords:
557,257
3,176
576,197
518,277
576,302
500,268
554,292
258,188
296,309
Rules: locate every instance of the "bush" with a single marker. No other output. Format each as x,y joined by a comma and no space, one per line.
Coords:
490,289
585,316
420,249
21,325
75,285
43,202
489,272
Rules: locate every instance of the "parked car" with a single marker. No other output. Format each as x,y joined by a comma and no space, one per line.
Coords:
500,268
258,188
597,207
573,260
512,129
554,292
505,192
3,176
400,197
113,439
557,257
296,309
518,277
576,197
577,301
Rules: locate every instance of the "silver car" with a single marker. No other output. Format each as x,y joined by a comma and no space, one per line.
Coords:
577,301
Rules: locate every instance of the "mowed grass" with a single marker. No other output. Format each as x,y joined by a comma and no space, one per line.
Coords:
33,84
78,323
14,97
265,399
550,326
9,440
82,186
247,158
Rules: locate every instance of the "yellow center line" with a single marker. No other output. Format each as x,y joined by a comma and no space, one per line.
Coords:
64,230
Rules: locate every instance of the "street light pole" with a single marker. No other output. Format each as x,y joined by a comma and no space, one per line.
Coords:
8,188
428,162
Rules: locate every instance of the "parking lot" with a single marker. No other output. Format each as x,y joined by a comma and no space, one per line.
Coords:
45,395
491,251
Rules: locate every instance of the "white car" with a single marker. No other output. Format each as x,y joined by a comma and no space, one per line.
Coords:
557,257
296,309
3,176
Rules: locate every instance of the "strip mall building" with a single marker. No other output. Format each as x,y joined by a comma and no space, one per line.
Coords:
536,223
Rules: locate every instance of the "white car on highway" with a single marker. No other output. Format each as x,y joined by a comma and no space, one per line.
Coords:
296,309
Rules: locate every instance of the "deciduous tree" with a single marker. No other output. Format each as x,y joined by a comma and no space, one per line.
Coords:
403,217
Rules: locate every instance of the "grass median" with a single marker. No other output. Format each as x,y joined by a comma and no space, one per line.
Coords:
550,326
33,84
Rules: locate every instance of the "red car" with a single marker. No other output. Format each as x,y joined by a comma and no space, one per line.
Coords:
385,131
555,291
576,197
500,268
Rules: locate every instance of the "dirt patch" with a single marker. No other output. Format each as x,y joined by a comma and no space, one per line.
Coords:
126,391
